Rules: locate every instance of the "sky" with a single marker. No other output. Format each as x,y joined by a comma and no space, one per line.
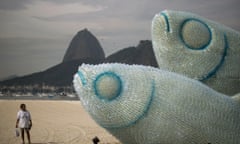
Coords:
35,34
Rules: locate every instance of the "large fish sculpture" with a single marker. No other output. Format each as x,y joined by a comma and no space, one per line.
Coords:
199,48
145,105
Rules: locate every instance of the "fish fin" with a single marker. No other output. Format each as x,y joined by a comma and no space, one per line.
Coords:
236,97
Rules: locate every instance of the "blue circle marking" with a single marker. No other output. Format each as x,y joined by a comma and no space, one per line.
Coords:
224,54
197,20
113,76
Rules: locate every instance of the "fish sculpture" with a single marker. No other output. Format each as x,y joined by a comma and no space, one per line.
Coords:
198,48
146,105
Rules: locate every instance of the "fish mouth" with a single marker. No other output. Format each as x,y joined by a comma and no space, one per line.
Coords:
165,19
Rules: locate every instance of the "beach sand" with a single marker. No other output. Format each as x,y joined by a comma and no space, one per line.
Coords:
54,122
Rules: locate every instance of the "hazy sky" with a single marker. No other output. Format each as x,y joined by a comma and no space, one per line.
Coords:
35,34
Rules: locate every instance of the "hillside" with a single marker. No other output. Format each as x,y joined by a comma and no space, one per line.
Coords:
62,74
142,55
59,75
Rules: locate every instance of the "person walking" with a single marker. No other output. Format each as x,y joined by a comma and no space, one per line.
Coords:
24,122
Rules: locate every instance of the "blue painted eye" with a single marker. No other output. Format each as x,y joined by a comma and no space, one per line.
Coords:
107,86
195,34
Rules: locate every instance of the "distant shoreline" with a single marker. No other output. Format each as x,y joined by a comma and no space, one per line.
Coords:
58,98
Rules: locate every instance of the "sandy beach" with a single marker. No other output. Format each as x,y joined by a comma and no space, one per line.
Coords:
54,122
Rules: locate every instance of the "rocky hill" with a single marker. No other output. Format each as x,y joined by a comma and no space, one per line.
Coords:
84,45
142,54
85,48
59,75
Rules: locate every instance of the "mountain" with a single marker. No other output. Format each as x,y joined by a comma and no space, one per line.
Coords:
84,45
59,75
9,77
142,54
85,48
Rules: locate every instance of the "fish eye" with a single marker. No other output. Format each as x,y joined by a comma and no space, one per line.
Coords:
107,86
195,34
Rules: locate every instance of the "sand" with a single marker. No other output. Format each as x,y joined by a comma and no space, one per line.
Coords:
54,122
